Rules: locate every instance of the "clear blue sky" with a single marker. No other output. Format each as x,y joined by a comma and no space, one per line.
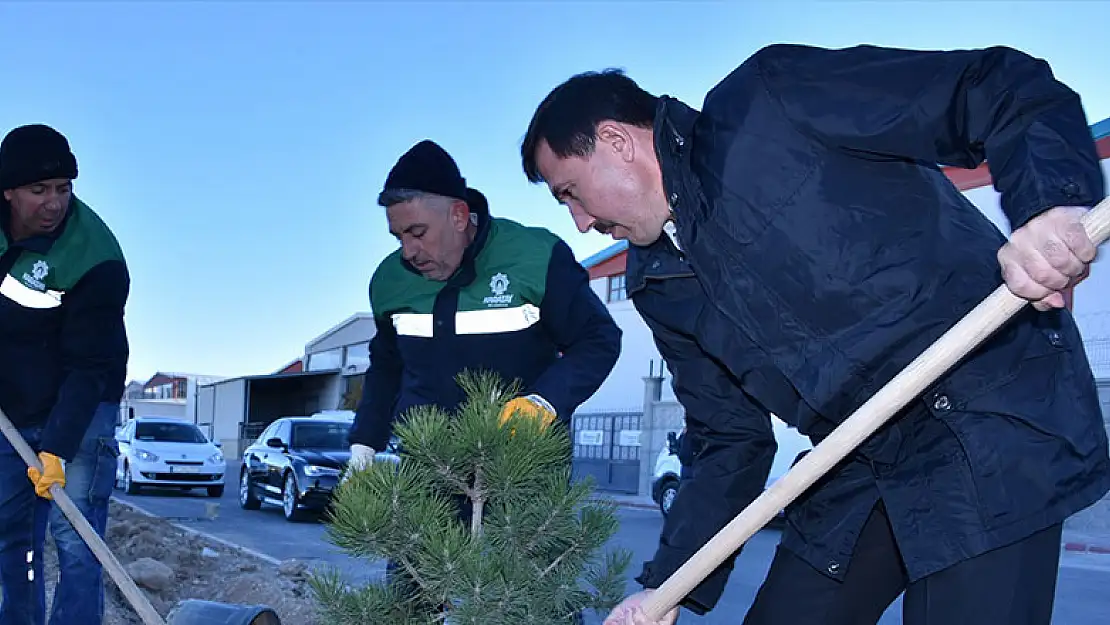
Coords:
236,148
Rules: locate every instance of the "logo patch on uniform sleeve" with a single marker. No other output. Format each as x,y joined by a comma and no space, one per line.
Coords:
37,275
499,286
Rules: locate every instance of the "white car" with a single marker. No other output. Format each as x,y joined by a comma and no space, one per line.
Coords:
168,453
668,469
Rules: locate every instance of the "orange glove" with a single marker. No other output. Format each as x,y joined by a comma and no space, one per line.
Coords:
54,472
532,406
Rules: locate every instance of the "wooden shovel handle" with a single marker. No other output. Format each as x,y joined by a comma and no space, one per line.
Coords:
135,596
957,342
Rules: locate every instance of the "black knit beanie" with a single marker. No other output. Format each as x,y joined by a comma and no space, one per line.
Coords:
33,153
429,168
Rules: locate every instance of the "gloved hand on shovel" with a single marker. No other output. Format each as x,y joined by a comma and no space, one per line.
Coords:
54,472
532,406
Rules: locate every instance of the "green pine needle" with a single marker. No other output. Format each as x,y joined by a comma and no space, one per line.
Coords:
532,552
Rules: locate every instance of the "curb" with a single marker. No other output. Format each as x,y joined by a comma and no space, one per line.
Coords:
205,535
1078,547
626,503
1068,546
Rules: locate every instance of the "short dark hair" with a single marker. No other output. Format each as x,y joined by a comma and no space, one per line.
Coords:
567,118
389,197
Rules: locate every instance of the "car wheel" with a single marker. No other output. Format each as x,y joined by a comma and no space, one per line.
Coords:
667,495
247,499
216,491
290,500
129,486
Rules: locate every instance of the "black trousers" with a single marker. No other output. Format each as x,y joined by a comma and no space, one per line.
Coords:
1014,585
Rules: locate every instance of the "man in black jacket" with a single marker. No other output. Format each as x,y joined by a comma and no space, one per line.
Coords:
469,291
813,248
63,358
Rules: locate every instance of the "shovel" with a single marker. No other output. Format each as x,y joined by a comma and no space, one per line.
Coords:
996,309
188,612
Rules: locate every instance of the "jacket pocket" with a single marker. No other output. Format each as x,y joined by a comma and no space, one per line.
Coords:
1030,430
1038,380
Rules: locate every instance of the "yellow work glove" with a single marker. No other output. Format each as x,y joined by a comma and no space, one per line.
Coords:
531,406
54,472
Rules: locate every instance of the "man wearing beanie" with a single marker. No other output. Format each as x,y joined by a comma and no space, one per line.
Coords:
63,359
470,291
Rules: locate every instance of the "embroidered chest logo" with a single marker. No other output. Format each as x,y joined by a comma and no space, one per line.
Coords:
499,285
37,275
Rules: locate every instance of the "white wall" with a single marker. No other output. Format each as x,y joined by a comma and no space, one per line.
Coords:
226,413
160,408
332,393
623,390
191,399
204,409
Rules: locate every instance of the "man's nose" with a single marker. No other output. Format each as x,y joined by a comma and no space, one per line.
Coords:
582,222
408,251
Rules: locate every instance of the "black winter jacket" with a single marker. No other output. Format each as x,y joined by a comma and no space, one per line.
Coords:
822,249
63,341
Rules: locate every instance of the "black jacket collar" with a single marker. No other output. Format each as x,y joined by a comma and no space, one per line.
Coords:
674,129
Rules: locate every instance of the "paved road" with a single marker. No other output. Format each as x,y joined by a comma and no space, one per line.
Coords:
264,531
1082,594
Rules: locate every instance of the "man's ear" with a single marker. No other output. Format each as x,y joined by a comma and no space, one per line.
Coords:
615,137
460,215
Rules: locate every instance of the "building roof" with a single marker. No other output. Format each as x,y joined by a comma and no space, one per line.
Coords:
1101,130
276,376
297,364
605,254
200,379
332,330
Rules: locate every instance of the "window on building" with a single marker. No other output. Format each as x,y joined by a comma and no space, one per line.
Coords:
358,356
162,391
330,359
617,290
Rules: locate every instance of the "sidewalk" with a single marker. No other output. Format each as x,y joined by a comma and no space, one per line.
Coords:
627,501
1087,532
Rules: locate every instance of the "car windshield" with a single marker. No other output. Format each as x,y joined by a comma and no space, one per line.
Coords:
321,435
169,433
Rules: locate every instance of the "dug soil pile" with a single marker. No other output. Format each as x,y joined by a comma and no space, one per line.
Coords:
169,565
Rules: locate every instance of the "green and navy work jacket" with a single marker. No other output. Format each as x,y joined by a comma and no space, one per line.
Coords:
519,305
63,345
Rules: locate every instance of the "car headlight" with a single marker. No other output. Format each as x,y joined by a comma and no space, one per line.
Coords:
313,470
145,456
216,458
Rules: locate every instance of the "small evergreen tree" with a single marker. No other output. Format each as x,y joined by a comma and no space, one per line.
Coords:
531,552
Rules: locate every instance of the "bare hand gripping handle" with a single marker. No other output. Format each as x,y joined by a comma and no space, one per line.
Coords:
995,310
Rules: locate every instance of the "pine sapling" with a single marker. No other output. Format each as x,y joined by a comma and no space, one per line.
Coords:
481,521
